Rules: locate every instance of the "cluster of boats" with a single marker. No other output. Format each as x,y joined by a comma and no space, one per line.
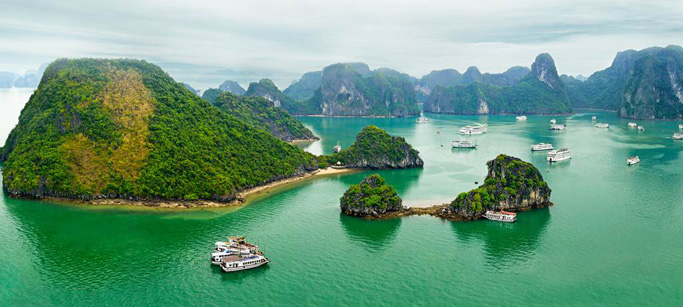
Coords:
237,255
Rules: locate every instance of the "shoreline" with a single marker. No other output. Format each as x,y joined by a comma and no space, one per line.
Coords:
351,116
241,198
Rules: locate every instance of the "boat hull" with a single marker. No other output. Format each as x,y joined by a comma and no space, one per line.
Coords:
244,267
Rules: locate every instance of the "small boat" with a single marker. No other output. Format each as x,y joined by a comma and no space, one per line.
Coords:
338,165
541,147
473,129
632,160
559,155
337,148
680,127
501,216
422,120
553,121
521,118
594,118
463,144
601,125
239,263
677,136
632,125
557,127
641,128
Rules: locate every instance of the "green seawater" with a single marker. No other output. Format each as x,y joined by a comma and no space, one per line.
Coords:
613,237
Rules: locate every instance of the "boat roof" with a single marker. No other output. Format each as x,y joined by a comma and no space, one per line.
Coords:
507,212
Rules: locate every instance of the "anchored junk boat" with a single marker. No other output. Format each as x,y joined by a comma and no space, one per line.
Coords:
501,216
233,247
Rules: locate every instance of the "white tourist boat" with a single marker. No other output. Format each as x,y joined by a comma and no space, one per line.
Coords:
641,128
594,118
557,127
422,120
473,129
632,125
541,147
559,155
501,216
463,144
677,136
337,148
601,125
553,121
239,263
521,118
234,246
632,160
680,127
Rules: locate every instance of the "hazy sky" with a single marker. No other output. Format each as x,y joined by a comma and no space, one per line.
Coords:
202,42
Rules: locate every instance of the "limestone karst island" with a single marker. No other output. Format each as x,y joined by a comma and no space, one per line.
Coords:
301,153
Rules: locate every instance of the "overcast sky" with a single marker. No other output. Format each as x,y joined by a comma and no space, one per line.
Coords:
202,42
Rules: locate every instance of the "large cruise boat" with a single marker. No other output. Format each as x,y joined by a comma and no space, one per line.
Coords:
502,216
463,144
473,129
239,263
557,127
559,155
541,147
234,246
601,125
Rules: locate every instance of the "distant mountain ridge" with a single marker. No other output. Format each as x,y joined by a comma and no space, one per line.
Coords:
539,92
30,79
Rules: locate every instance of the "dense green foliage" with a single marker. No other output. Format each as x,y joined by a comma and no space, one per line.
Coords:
508,178
372,192
540,92
304,88
211,94
375,148
190,88
259,112
124,128
354,90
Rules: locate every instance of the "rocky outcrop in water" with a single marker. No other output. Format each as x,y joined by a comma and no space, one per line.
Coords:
511,184
374,148
371,198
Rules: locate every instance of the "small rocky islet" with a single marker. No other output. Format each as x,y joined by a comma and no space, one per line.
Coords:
511,184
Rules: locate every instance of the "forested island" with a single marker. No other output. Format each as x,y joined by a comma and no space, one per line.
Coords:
511,184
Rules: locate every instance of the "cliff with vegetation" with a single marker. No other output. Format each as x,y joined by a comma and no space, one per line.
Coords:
374,148
304,88
644,84
372,197
352,89
261,113
511,184
126,129
540,92
267,89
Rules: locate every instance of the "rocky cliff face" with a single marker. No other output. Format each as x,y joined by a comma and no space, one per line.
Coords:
266,88
540,92
232,87
354,90
511,184
654,87
371,198
375,148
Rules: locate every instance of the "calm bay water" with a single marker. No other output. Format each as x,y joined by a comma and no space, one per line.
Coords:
614,236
